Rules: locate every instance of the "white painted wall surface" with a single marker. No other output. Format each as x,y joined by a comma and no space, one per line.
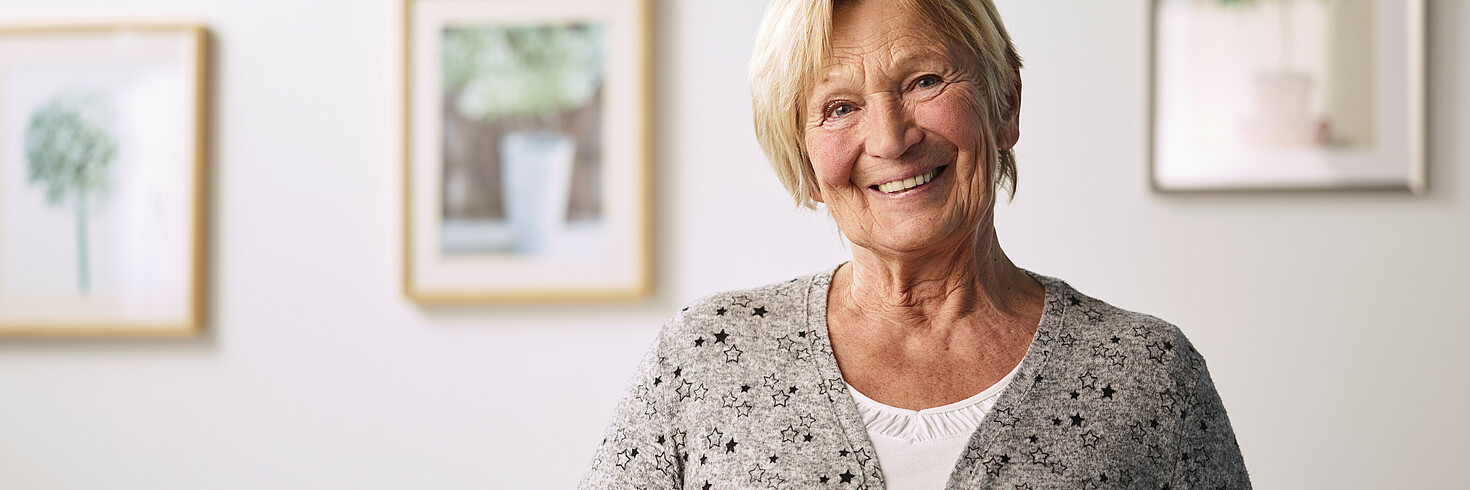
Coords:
1335,323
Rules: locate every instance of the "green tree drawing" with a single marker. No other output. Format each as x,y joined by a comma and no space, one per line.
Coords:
528,71
70,151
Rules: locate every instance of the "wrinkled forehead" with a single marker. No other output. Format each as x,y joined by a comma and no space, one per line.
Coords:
884,37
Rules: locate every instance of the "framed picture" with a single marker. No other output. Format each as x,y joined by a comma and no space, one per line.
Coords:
1288,94
102,136
526,150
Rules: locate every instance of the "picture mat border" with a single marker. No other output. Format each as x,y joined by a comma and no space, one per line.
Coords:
641,285
1415,113
193,323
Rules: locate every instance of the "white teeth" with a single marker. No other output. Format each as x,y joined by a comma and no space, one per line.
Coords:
909,183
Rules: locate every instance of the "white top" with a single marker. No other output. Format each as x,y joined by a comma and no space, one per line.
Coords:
917,450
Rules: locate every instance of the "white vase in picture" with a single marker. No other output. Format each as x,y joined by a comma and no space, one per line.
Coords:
1283,112
537,167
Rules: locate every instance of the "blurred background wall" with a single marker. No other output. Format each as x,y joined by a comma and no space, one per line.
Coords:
1335,323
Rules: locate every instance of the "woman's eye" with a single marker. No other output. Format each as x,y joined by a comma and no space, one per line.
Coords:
926,81
839,110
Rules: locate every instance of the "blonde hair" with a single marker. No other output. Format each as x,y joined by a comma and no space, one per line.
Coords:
794,42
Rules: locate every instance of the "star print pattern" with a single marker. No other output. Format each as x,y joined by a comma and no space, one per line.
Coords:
741,391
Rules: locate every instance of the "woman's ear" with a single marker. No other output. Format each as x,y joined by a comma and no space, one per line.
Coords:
1010,127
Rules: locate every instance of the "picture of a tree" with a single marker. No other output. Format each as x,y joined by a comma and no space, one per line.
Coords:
70,150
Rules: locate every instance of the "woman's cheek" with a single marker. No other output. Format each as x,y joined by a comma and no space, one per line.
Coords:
832,157
955,115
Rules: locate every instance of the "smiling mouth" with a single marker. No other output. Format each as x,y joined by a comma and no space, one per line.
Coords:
903,185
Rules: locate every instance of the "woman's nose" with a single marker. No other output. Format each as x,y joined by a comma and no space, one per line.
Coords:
891,131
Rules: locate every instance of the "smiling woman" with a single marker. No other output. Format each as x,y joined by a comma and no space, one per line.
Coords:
929,360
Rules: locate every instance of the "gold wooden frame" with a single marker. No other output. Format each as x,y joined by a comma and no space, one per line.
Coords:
644,158
198,34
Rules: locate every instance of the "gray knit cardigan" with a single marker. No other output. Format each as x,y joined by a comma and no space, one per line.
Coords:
741,391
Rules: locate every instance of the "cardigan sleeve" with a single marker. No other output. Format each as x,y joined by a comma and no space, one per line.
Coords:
1208,455
639,449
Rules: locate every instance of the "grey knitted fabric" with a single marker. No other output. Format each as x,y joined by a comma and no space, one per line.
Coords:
741,391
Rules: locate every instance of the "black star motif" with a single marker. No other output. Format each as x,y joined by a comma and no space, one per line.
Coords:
720,311
846,476
1075,394
1156,351
1089,439
756,473
1115,339
683,390
703,459
773,458
730,446
1107,391
994,465
820,479
1032,439
1077,420
733,354
657,380
1153,423
720,337
789,434
706,485
660,439
1140,331
1073,301
1056,421
699,342
626,456
760,312
1038,456
806,438
1005,419
1066,339
713,439
678,371
1039,377
792,390
842,453
1088,380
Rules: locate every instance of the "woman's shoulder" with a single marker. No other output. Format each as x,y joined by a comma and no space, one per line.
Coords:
740,324
1101,334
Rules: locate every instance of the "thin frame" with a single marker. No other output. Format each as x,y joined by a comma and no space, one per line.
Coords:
1415,122
641,287
197,35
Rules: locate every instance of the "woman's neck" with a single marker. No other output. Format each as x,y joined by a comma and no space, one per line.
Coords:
964,284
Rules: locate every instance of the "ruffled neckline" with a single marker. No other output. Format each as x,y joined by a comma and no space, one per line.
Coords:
957,419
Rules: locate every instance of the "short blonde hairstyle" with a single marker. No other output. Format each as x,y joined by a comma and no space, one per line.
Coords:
794,43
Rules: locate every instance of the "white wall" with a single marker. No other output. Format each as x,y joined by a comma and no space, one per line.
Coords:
1334,322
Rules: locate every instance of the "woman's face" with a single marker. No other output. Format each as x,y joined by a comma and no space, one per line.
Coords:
897,135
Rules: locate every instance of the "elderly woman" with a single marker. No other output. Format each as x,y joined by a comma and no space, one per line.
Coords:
929,360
